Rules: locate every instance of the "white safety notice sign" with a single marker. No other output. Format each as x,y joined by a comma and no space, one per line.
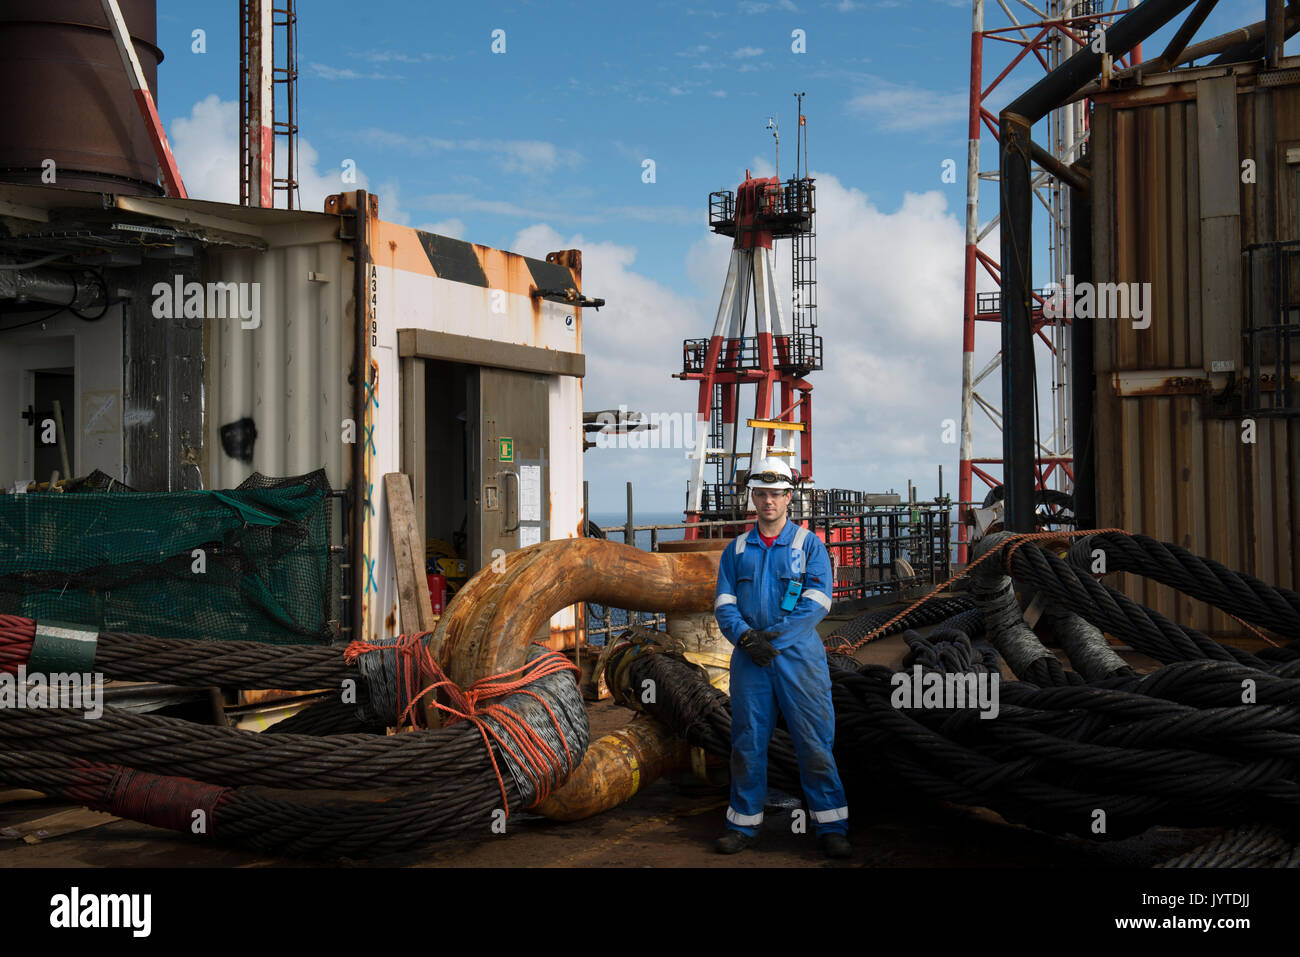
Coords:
530,493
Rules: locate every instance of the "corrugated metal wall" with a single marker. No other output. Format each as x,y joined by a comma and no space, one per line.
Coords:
1168,206
290,374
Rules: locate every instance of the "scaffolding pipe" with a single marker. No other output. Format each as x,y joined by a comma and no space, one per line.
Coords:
1075,175
1126,33
1272,31
1232,41
1179,42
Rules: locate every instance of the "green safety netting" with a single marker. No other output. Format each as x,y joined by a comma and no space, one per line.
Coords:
252,563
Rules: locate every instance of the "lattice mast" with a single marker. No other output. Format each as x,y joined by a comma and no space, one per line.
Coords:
268,88
1049,41
773,360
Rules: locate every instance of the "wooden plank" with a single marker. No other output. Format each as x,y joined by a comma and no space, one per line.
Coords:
56,825
413,432
413,603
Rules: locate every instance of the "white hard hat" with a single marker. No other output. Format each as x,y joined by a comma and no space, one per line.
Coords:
771,473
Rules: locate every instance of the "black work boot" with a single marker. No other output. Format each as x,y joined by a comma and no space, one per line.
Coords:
733,842
835,845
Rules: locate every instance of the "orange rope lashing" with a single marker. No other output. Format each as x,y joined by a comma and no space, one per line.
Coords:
525,746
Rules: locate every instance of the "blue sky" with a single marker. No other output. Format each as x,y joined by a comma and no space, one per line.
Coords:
542,147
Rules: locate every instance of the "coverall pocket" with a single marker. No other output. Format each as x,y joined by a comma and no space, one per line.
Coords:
745,594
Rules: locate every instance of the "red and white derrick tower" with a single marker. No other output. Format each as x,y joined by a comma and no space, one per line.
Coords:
774,359
1046,34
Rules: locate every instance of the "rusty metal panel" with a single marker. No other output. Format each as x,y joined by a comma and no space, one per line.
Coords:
1254,125
1123,264
1169,208
1152,206
1216,112
1103,233
1153,257
1220,192
1285,125
1192,239
1175,292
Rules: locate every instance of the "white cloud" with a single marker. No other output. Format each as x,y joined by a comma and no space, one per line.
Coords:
889,303
633,345
889,311
904,108
206,144
394,56
513,156
326,72
390,203
468,203
453,228
745,52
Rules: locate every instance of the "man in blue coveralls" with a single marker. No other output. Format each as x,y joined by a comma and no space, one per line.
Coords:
774,586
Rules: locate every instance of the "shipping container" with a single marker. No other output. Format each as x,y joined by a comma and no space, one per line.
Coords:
232,340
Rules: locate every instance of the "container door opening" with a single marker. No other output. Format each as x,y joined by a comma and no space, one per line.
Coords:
450,397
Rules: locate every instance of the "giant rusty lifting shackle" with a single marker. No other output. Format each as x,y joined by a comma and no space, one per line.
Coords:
487,629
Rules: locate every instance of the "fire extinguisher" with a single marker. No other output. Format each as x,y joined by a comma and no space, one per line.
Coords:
437,592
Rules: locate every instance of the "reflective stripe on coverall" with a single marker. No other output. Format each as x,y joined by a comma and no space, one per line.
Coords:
752,582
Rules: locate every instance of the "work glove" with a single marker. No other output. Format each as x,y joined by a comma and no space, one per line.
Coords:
758,645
